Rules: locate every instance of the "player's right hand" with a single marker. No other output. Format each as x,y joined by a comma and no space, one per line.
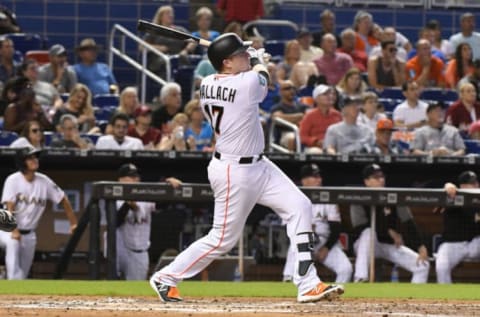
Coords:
451,189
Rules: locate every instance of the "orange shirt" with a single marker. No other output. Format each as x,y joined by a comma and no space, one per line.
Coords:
435,78
360,43
451,73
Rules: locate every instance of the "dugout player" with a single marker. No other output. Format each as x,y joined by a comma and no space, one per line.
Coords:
461,231
133,228
27,192
241,176
389,244
326,225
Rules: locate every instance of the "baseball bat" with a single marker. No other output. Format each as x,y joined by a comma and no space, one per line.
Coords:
145,26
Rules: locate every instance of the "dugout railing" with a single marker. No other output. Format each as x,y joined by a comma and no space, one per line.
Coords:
109,192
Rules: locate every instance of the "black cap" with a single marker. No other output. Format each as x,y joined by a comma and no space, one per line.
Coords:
467,177
370,170
128,170
310,170
435,105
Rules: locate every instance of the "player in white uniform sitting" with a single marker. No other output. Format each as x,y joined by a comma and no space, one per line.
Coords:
326,226
134,220
461,231
25,193
241,176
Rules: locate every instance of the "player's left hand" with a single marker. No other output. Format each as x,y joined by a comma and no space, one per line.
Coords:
73,227
422,255
174,182
260,55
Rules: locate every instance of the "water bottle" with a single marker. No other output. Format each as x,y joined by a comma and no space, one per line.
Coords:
394,277
237,277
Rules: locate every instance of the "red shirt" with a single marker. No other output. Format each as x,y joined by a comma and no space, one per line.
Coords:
152,136
458,115
314,125
360,58
241,11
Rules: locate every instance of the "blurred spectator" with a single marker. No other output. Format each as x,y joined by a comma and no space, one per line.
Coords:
10,92
467,34
204,20
327,23
289,110
362,24
351,85
45,93
294,69
437,138
465,110
308,52
199,133
425,69
258,41
315,122
142,128
240,11
235,27
440,44
170,104
348,136
391,35
98,77
119,140
473,78
333,65
165,16
128,102
58,72
474,130
383,138
429,35
8,21
8,66
24,109
370,115
70,136
79,104
202,70
273,93
459,66
175,140
386,70
412,113
348,47
31,136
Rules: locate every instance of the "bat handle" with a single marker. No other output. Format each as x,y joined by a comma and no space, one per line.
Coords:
204,42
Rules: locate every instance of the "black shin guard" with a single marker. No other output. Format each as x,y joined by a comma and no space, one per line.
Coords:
305,246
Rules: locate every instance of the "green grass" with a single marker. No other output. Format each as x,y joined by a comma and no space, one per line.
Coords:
230,289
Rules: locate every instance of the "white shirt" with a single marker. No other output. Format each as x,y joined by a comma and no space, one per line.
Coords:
22,142
107,142
135,231
371,123
309,55
410,115
231,105
30,198
473,41
322,214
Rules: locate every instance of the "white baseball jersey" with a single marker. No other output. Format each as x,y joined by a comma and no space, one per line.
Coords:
234,114
135,231
107,142
322,214
30,198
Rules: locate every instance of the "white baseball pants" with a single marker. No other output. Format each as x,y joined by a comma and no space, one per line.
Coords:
450,254
18,254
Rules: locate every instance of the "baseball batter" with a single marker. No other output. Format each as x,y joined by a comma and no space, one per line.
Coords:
389,243
326,226
27,192
134,220
241,176
461,233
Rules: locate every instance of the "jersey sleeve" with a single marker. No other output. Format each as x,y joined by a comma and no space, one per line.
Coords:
333,214
9,191
258,86
54,193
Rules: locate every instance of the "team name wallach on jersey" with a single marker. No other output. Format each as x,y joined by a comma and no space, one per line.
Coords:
218,93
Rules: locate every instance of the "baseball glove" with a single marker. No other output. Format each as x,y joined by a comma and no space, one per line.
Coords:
7,221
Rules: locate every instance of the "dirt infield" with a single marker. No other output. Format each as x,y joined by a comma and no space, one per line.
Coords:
59,306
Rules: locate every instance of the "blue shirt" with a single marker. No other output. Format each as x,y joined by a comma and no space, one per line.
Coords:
203,50
204,138
272,98
97,77
435,52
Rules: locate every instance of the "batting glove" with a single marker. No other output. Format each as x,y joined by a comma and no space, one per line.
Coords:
258,56
7,221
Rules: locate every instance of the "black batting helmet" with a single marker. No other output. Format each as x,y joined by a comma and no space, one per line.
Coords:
222,47
23,154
